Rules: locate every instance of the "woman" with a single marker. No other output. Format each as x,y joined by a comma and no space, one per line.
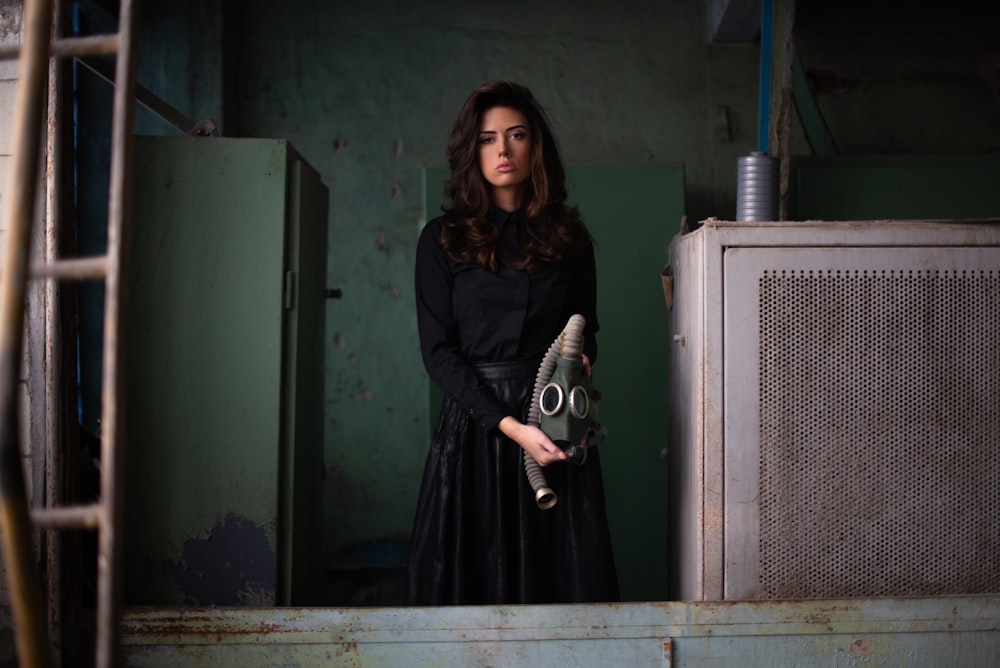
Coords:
497,278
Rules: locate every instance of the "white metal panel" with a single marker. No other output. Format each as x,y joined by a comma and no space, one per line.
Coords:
716,448
687,423
880,233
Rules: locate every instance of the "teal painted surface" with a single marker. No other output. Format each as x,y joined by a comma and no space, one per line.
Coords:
953,631
632,213
368,91
936,187
181,59
214,352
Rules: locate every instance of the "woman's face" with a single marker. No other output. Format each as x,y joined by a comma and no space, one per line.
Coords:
505,154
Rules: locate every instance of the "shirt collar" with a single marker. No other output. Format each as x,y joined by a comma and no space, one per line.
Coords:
501,217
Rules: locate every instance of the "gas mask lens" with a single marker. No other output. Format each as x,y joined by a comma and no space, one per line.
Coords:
551,401
579,402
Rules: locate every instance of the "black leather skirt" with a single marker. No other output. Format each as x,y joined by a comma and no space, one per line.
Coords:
478,537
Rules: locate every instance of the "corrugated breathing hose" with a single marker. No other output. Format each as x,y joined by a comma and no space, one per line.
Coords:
568,344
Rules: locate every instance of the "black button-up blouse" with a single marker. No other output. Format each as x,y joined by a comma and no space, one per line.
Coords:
468,315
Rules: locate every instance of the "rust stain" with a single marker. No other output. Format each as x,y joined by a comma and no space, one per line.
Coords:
818,618
861,646
187,624
350,647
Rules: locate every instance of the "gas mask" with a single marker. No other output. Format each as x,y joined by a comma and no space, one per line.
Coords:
564,406
568,407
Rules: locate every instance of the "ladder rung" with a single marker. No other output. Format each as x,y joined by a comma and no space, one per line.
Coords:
88,45
71,47
78,268
68,517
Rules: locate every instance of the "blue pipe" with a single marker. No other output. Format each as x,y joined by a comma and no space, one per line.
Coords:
764,92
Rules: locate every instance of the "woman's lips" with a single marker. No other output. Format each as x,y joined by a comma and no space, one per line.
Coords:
505,167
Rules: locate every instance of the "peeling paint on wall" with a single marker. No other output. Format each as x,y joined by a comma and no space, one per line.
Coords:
10,20
234,565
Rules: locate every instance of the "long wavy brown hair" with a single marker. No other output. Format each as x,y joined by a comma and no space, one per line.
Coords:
552,229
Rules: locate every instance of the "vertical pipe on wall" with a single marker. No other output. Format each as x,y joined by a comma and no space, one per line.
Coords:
764,92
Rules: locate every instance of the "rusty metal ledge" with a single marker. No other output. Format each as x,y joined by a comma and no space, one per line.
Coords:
192,626
953,631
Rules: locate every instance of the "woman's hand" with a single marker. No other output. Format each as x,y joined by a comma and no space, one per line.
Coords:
532,440
586,364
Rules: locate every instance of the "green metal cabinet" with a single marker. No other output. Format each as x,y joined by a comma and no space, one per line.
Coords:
224,368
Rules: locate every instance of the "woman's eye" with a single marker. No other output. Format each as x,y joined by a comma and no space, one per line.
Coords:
486,140
517,135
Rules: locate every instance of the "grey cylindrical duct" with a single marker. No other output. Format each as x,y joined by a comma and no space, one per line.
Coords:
758,179
568,344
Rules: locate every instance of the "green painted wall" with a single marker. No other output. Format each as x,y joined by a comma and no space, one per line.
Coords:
367,91
884,187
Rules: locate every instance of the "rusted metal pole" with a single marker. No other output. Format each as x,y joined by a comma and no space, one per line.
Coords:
55,461
31,631
109,577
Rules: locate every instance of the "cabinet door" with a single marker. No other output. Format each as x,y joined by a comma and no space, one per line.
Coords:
204,371
302,523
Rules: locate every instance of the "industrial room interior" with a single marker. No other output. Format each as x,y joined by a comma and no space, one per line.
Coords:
316,131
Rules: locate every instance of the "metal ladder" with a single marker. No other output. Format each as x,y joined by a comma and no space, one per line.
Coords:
37,46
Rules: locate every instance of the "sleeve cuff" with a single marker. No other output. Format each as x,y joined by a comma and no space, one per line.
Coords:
488,415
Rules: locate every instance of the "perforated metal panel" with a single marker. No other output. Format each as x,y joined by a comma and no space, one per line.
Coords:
879,427
835,409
